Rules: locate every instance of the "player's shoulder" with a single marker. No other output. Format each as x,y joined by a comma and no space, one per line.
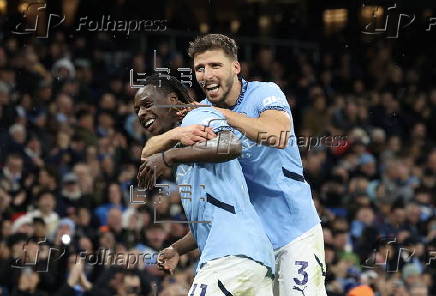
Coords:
263,84
204,110
202,115
262,89
205,102
267,96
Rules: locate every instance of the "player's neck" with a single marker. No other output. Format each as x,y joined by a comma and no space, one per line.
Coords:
233,95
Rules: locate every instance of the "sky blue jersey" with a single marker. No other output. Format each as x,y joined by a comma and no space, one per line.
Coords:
276,185
215,195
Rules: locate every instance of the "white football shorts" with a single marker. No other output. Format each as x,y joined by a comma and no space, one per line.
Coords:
300,266
232,276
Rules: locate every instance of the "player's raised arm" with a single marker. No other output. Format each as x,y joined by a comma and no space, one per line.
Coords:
271,128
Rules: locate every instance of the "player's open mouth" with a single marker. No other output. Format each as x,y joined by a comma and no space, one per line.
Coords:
148,123
212,89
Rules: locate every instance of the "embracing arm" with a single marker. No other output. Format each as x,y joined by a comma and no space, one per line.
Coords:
271,128
222,148
187,135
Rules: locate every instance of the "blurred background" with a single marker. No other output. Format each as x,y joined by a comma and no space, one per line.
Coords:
70,142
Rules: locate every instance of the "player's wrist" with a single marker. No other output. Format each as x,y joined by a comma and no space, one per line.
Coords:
165,160
233,118
174,248
168,157
173,135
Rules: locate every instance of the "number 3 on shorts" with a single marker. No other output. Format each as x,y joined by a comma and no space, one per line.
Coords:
301,271
202,287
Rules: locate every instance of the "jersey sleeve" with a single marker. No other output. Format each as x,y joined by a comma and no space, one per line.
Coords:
270,97
209,117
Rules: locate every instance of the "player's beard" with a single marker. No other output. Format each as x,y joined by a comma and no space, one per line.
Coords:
226,88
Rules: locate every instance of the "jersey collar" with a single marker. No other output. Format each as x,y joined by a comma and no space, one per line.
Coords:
244,85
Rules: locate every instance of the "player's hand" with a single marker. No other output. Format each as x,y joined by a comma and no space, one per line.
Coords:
232,117
182,112
168,259
225,112
191,134
150,170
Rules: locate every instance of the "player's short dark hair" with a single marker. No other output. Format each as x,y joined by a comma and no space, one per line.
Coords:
213,41
168,85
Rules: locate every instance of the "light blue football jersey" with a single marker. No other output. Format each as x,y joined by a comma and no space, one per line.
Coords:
217,193
276,186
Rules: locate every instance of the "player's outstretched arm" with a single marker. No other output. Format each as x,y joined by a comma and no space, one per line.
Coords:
271,128
187,135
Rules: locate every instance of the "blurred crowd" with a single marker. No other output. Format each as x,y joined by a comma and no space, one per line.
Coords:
70,147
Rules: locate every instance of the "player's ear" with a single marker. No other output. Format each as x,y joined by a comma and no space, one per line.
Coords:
173,99
236,67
